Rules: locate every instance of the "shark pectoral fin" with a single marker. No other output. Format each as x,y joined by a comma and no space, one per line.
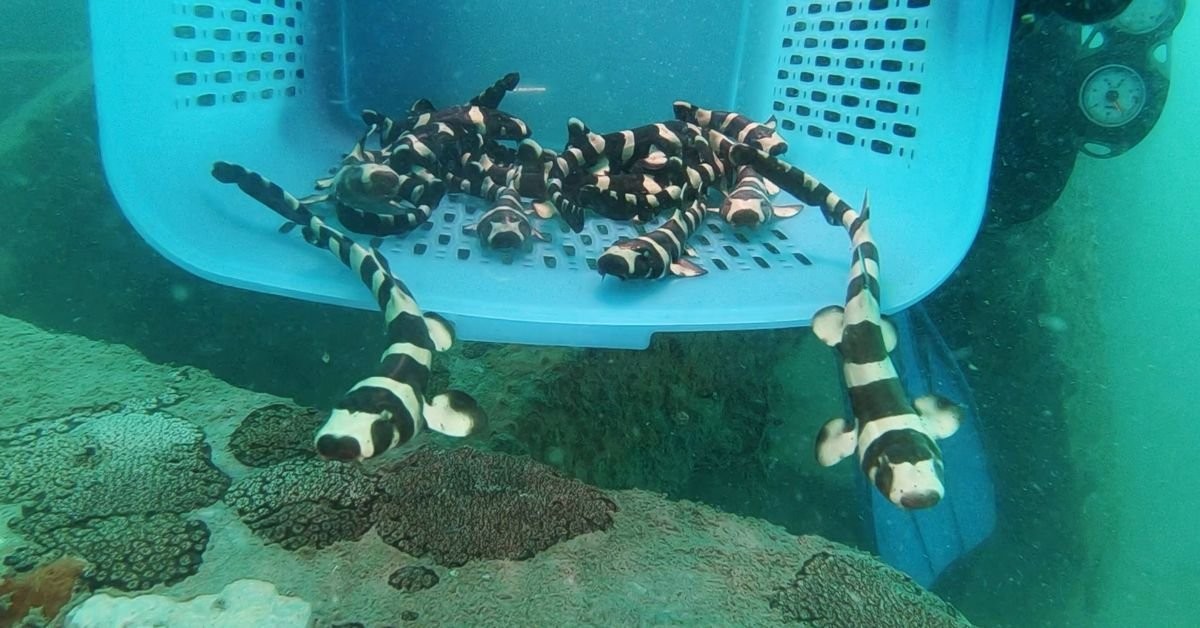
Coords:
455,413
942,416
313,199
889,334
787,211
686,268
835,441
441,331
543,209
770,187
828,323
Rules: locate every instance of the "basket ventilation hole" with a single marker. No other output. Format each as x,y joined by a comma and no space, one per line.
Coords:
851,57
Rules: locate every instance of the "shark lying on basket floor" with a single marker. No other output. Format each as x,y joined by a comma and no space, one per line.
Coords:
388,408
895,440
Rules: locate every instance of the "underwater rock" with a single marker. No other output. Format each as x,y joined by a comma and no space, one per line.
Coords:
838,586
274,433
413,578
240,603
129,552
107,461
462,505
306,502
47,588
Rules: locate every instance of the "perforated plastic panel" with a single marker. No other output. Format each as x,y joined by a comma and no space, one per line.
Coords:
898,96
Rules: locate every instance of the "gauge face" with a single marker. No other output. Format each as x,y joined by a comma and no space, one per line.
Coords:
1143,16
1112,95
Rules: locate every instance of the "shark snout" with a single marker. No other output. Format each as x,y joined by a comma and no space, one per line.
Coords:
924,499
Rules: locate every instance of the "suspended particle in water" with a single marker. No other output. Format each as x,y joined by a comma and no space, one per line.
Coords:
180,293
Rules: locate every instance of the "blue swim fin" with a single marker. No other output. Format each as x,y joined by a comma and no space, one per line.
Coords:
924,543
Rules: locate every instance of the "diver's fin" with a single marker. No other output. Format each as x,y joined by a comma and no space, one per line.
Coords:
835,442
454,413
924,543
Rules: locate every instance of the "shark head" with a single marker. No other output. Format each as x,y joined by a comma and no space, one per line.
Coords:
906,466
627,259
355,435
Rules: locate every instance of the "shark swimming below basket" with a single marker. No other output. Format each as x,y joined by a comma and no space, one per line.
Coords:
900,97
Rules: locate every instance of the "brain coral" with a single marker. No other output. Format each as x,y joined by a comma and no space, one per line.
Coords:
838,587
108,484
463,504
130,552
306,502
413,578
110,461
275,433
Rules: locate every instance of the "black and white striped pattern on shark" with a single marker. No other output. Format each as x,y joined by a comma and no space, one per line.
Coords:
805,187
388,408
660,252
749,203
760,135
895,440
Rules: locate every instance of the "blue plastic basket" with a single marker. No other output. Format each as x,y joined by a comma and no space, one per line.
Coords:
898,96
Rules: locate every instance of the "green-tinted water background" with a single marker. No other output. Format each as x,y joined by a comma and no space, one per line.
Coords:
1098,495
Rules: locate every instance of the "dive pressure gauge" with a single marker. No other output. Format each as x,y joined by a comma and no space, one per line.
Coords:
1122,76
1112,95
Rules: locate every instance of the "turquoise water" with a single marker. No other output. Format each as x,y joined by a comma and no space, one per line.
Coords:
1073,329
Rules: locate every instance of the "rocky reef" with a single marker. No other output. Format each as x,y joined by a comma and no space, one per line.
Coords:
511,541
